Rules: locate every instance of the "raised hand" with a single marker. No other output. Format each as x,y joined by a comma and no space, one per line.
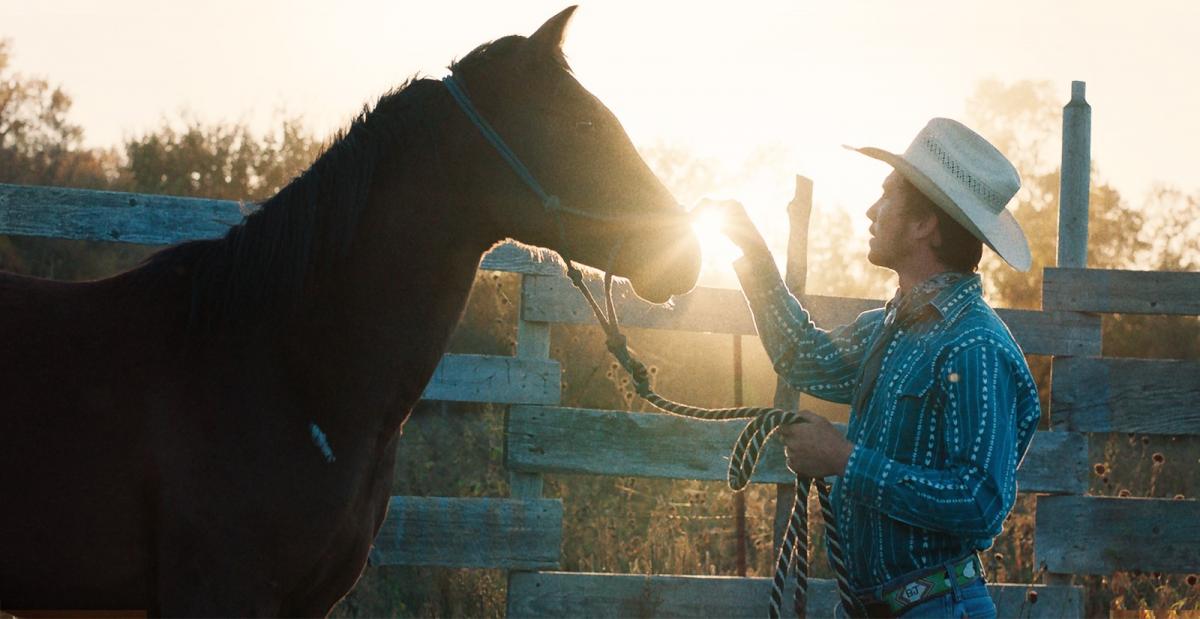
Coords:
734,223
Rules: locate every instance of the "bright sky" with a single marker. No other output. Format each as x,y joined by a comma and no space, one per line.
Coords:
727,80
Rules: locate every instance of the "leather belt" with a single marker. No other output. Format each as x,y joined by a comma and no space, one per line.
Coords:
924,586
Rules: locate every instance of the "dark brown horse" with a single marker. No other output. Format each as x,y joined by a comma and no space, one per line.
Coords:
213,432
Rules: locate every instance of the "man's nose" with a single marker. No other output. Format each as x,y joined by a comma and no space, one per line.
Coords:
873,211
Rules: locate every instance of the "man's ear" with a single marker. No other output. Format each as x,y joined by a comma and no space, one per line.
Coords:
927,228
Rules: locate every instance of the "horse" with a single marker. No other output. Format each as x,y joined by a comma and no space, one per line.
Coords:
213,432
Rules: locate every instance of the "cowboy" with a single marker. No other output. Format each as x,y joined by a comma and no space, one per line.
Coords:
942,403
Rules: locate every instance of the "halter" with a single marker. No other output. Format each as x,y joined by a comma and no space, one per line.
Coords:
793,550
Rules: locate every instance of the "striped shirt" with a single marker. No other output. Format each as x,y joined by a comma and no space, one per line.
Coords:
939,428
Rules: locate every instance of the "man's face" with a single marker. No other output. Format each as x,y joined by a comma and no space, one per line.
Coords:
892,229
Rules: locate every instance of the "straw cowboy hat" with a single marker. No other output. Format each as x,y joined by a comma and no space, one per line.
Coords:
969,179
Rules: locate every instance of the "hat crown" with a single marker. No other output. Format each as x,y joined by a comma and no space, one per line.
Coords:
948,149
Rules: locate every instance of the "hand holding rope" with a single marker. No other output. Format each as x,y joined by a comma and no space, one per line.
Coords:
793,551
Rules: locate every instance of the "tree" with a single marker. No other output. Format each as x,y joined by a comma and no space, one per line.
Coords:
225,161
39,145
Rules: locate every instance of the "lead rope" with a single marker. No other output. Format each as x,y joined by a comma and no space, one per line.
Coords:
793,551
794,548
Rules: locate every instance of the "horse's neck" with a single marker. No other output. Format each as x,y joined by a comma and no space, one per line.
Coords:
385,319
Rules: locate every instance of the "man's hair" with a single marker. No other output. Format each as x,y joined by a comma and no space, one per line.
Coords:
960,250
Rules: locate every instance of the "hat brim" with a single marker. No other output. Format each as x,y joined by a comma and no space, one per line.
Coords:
1000,232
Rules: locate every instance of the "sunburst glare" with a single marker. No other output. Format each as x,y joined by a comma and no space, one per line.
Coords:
718,250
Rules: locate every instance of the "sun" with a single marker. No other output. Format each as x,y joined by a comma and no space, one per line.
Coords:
719,252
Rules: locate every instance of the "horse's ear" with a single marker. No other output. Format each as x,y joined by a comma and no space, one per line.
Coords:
550,35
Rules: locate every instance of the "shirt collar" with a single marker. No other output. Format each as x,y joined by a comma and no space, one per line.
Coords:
944,292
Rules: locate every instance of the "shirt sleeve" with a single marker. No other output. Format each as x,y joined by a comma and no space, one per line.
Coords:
984,392
821,363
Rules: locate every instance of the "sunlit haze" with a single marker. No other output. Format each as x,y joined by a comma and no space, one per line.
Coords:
763,90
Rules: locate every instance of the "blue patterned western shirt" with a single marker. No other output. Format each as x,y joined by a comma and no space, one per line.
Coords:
942,410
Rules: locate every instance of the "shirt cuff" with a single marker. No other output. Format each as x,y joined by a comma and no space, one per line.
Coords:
758,275
867,473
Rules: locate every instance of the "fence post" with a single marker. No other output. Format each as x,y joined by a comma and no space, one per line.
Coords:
796,277
1075,180
533,341
1073,195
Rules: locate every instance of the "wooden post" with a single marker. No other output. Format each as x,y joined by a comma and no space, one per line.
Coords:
739,498
1073,194
533,341
795,277
1075,180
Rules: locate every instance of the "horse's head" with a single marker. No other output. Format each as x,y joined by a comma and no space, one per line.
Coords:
618,216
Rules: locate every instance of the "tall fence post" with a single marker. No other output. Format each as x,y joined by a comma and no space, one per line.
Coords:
1073,196
796,278
1075,180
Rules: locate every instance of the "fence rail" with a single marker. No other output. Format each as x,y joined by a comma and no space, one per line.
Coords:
119,217
574,594
1149,396
720,310
498,379
1102,535
1121,292
543,439
470,532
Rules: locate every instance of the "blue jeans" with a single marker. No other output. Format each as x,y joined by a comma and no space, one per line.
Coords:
971,601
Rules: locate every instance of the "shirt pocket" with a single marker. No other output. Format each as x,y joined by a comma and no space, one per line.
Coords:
913,433
917,383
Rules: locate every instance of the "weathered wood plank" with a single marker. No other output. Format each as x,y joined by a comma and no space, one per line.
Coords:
1056,463
487,378
566,594
1053,333
722,310
150,219
542,439
517,258
1121,292
1151,396
554,299
112,216
470,532
1101,535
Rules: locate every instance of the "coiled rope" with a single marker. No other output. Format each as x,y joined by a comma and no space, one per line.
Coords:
793,551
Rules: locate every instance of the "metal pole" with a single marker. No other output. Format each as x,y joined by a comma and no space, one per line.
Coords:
1075,180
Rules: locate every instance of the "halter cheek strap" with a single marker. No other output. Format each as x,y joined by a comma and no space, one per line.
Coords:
550,202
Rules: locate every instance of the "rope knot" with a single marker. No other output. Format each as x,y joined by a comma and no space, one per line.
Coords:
552,203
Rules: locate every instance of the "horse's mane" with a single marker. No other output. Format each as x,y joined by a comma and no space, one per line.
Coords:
262,265
255,273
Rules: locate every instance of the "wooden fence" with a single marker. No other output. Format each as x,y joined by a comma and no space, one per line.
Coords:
1075,533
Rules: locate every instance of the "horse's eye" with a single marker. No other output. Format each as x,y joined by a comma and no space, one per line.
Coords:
584,125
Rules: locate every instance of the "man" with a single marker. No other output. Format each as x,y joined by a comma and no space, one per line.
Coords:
942,402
